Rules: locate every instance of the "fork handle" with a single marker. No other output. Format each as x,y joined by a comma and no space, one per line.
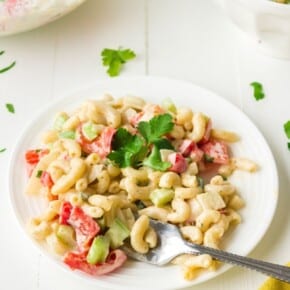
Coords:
277,271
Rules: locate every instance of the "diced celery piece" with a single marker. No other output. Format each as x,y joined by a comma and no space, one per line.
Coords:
161,196
99,250
66,234
67,134
167,104
90,131
59,121
117,233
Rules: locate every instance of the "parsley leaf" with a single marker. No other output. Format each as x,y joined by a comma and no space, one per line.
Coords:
200,182
163,144
3,70
258,91
10,108
287,129
154,160
208,158
115,58
127,149
2,150
156,127
288,145
39,173
131,150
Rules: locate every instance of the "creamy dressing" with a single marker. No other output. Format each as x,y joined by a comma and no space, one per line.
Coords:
21,15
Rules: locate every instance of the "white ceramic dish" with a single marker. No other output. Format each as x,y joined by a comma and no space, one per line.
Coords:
266,21
260,190
22,15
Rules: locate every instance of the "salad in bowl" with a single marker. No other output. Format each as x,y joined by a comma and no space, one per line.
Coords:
22,15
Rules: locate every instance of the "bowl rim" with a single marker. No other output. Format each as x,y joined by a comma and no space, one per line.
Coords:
268,6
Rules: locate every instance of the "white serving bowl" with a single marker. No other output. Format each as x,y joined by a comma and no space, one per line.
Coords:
266,21
22,15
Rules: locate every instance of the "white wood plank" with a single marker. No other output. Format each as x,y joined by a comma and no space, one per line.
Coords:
27,86
85,33
192,40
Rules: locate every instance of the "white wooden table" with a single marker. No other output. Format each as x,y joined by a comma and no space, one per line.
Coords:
189,39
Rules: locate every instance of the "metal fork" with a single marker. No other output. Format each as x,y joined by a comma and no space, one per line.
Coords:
171,244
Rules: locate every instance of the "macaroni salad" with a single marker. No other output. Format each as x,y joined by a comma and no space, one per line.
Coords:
112,164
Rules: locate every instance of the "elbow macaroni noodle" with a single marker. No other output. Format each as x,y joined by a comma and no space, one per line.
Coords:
203,212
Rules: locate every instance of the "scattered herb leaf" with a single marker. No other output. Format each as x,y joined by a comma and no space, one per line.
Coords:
115,58
2,150
208,158
287,129
200,182
139,203
39,173
10,108
5,69
288,145
258,91
3,51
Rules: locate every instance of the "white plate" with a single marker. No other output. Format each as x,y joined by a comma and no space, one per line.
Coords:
260,190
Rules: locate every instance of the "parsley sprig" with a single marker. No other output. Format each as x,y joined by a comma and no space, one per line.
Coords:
144,147
10,108
115,59
258,91
2,150
287,132
5,69
128,149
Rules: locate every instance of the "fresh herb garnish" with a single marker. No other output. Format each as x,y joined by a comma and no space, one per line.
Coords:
39,173
287,129
287,132
140,204
10,108
133,150
115,58
3,70
2,150
200,182
208,158
154,160
258,91
157,127
128,149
